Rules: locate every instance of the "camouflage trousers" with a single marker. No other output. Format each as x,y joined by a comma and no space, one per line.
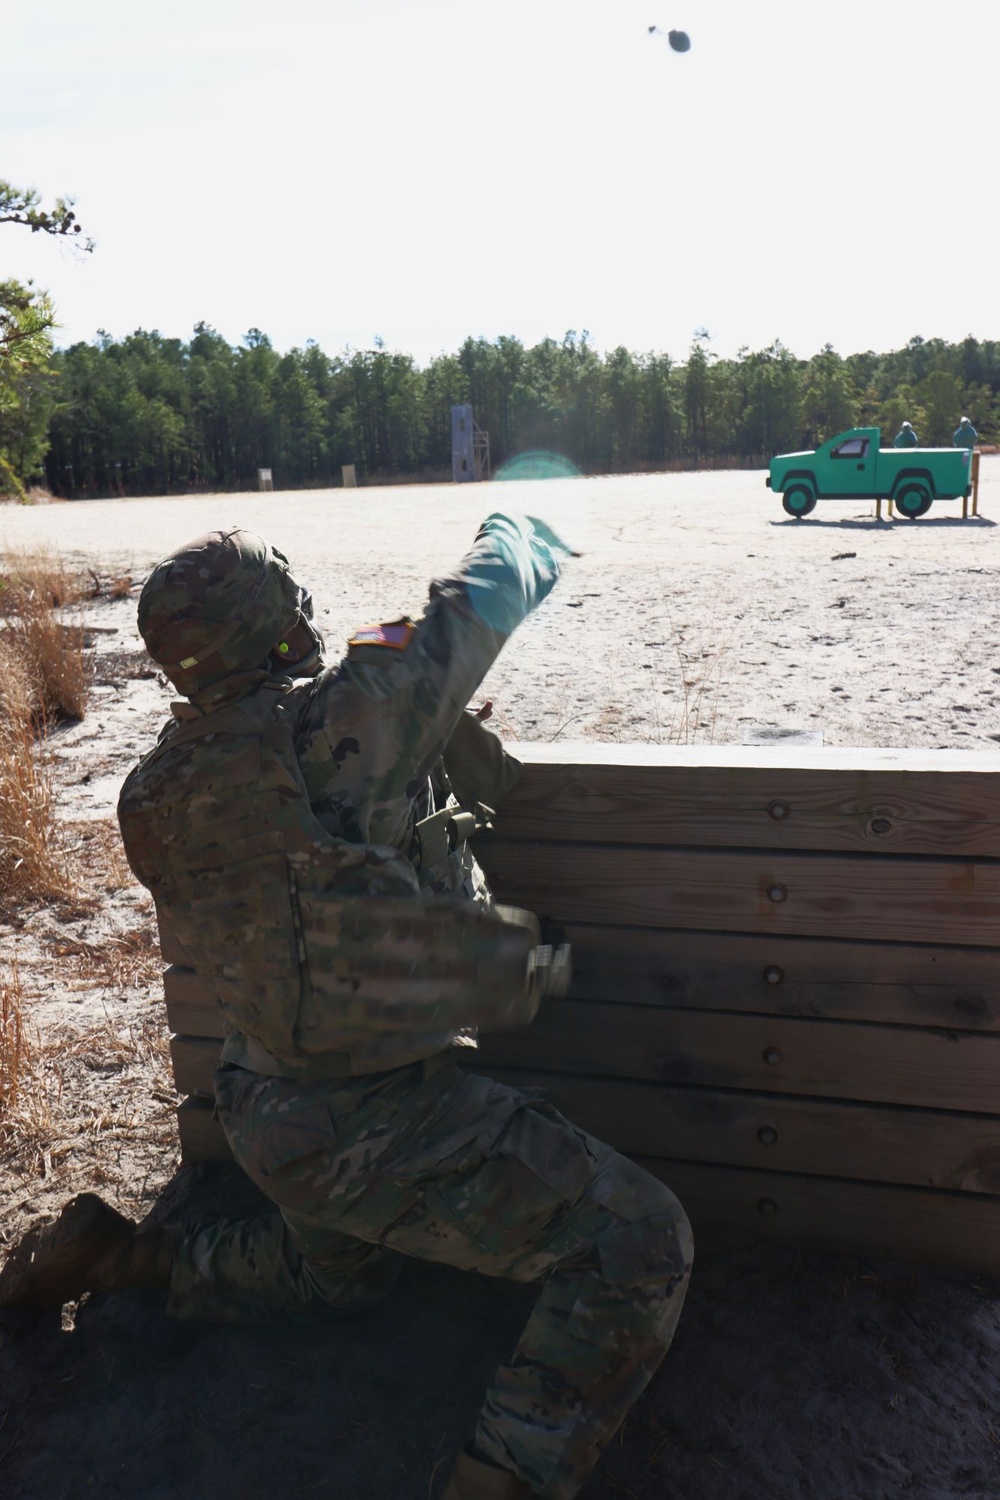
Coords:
449,1166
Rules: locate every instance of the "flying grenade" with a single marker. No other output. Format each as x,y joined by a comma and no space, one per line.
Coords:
679,40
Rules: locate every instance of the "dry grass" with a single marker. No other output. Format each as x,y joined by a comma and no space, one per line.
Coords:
701,674
15,1058
32,866
94,846
81,1104
110,1084
127,960
44,678
684,713
115,1046
41,652
30,578
700,664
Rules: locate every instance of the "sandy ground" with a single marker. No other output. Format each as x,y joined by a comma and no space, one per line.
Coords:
877,633
697,612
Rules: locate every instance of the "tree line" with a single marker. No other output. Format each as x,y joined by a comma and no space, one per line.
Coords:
27,319
149,414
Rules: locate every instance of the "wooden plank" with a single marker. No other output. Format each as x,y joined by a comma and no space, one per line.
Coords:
191,1005
202,1137
832,1059
848,759
903,802
195,1059
903,984
171,948
828,1059
806,895
924,1148
958,1230
195,1019
917,985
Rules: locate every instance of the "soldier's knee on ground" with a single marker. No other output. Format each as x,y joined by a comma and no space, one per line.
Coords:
352,1285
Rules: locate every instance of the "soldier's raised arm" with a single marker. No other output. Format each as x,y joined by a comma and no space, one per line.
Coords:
404,684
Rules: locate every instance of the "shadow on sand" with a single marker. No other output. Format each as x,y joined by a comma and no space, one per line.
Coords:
871,523
791,1371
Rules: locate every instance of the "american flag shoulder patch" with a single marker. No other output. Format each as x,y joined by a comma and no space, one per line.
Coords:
395,634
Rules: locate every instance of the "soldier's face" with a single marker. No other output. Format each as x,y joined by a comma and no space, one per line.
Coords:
295,647
300,652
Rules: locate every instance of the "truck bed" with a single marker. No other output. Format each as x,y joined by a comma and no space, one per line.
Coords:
948,469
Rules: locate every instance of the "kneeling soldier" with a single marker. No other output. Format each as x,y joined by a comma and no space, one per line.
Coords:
299,828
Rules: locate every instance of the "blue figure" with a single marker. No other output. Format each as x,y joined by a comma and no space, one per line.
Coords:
906,437
965,435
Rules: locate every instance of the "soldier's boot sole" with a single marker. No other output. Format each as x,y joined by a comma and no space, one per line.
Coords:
471,1479
90,1247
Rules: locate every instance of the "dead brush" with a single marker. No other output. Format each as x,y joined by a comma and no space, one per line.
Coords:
98,854
32,579
126,961
15,1053
691,713
700,669
46,652
28,1126
44,677
32,866
62,1126
116,1045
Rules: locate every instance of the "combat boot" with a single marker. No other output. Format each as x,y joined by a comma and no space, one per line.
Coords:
472,1479
91,1247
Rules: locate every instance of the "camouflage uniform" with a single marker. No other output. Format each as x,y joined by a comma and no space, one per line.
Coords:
275,824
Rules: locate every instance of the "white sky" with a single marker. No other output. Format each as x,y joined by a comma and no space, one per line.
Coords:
427,169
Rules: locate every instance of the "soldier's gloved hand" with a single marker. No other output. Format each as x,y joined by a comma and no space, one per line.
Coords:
550,970
512,567
551,538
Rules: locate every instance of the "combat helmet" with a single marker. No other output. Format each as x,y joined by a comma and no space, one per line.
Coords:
219,606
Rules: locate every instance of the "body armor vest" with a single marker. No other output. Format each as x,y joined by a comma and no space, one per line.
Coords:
325,956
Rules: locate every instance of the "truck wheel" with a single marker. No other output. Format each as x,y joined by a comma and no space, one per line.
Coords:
798,500
913,501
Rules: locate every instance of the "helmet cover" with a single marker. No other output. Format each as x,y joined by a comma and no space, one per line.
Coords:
217,606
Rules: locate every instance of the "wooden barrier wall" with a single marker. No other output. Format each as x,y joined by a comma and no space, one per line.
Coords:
786,994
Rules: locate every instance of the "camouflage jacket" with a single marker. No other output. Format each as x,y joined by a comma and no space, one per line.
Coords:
265,826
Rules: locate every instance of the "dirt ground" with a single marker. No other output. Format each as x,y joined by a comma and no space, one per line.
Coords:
877,633
697,612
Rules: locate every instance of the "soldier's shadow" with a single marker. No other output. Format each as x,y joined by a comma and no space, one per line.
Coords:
356,1408
774,1345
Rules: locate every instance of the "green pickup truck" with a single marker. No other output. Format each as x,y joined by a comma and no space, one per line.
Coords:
852,466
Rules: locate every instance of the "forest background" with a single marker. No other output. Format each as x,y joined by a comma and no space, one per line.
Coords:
148,414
